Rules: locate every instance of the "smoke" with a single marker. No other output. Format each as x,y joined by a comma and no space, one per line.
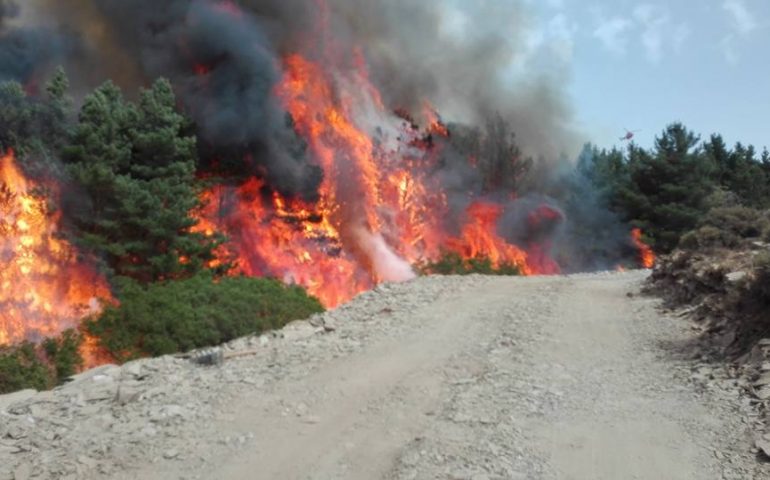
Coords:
462,57
224,58
386,264
25,51
471,60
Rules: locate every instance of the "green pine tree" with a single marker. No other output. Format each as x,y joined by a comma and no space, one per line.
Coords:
667,187
137,165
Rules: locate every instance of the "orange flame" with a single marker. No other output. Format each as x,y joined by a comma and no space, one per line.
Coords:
646,255
435,124
479,239
287,240
44,287
380,208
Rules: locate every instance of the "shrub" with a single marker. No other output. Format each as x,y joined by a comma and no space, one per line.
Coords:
169,317
63,354
722,198
743,222
708,237
451,263
20,368
726,227
42,366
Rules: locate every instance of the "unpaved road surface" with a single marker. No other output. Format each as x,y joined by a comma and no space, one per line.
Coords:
442,378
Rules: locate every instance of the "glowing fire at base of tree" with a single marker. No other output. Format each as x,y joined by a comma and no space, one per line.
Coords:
646,255
44,287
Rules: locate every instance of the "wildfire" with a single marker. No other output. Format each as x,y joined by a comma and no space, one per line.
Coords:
44,287
291,241
435,124
380,210
646,255
479,238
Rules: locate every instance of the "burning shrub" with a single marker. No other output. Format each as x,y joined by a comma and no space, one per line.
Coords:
169,317
452,263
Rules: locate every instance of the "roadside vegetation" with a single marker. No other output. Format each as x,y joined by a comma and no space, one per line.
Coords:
683,183
157,319
40,366
174,316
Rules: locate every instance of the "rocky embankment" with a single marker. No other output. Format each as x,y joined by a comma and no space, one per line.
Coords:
117,417
725,294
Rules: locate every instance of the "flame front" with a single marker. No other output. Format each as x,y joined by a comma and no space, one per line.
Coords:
379,209
44,288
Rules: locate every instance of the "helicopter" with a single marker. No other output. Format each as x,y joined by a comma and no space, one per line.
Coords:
630,134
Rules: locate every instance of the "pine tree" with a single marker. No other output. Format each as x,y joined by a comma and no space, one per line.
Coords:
137,165
36,127
606,171
668,186
739,171
500,159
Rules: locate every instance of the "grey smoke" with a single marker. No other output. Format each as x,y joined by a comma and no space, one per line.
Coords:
25,50
469,59
458,57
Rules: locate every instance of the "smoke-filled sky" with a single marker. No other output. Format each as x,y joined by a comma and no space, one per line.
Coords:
642,64
562,71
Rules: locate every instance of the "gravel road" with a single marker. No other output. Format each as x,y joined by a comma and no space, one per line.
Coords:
471,378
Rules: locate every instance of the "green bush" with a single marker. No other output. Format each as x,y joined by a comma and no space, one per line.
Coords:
63,354
727,227
451,263
169,317
40,366
743,222
709,237
21,367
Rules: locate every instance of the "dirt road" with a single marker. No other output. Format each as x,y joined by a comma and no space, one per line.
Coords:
476,378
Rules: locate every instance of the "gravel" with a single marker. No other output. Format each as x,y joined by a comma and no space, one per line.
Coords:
467,378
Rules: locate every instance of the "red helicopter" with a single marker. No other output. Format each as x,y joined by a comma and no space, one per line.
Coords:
630,134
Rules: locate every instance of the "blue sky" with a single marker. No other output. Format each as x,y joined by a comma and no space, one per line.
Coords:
643,64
